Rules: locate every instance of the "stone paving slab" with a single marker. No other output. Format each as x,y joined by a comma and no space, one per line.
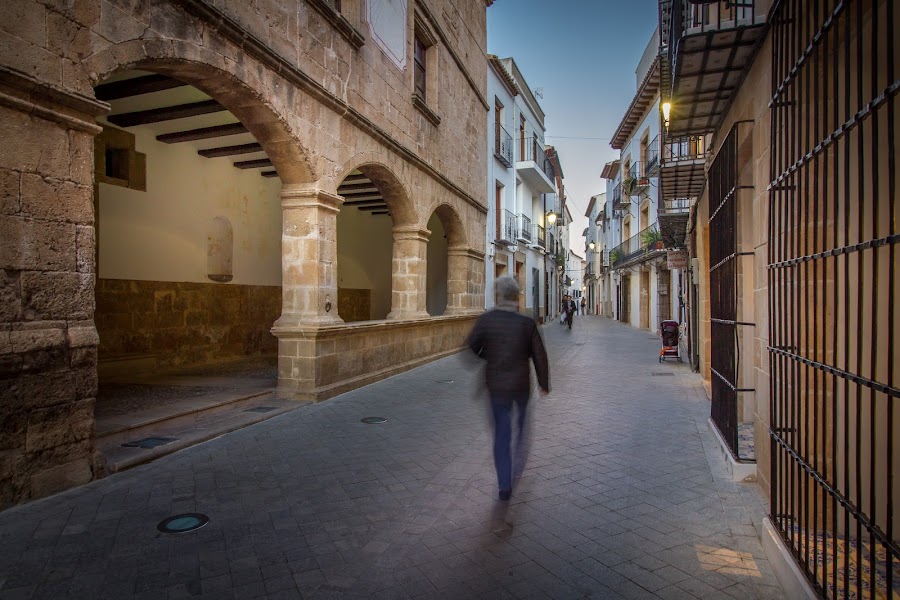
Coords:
623,496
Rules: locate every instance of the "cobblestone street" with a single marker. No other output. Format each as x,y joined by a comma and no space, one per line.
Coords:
625,495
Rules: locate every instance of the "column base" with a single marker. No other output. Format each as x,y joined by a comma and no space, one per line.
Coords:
287,322
395,315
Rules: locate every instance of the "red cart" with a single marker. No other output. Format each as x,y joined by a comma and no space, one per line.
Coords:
670,333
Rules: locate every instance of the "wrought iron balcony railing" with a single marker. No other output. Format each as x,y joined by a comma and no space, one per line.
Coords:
524,232
652,157
637,180
532,149
620,201
645,243
540,235
507,226
503,145
675,206
691,147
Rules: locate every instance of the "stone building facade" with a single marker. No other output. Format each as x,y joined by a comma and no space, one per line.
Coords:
390,94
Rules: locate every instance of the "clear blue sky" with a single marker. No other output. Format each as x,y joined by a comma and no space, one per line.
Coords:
583,53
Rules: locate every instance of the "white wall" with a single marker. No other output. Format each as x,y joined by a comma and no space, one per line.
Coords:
161,234
364,253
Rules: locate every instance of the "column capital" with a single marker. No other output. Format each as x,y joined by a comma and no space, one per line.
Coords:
411,232
300,196
466,252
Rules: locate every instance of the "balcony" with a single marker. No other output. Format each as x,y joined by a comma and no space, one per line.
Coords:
639,248
652,158
524,229
710,48
637,182
539,237
621,203
683,171
534,166
503,145
508,228
673,219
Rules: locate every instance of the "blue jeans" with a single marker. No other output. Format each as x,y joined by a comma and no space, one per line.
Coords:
502,408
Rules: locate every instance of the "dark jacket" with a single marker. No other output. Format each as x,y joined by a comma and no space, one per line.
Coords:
507,340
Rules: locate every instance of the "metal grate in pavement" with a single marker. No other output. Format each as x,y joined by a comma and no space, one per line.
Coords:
150,442
662,374
443,381
373,420
260,409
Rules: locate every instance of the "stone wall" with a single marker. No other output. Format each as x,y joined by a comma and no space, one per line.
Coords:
185,323
347,356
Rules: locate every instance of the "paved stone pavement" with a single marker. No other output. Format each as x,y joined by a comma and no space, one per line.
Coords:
624,496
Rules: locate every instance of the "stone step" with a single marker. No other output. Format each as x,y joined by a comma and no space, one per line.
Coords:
187,428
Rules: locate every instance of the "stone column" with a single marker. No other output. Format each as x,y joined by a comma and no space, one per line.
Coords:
48,341
308,258
465,281
408,273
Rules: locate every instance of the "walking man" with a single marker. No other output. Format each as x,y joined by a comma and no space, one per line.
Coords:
508,341
570,310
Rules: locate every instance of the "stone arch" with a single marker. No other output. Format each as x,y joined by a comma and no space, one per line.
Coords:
237,88
453,225
401,206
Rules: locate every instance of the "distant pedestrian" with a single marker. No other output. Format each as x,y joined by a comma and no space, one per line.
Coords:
569,308
583,304
508,341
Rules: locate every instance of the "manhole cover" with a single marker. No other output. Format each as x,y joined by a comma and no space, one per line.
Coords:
260,409
443,380
150,442
183,523
657,374
373,420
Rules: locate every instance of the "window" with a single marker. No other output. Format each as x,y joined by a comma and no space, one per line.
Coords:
420,68
425,70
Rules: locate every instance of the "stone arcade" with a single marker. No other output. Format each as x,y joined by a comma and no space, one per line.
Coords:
97,234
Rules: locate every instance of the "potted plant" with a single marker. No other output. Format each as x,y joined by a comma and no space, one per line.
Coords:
614,257
629,186
652,239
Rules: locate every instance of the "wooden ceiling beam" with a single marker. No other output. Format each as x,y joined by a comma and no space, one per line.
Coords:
269,173
203,133
378,202
253,164
165,113
372,207
363,199
230,150
357,189
136,86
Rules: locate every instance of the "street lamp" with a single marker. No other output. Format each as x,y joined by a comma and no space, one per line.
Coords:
592,245
666,109
551,217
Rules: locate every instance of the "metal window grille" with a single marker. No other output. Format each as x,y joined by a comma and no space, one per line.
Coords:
724,286
832,285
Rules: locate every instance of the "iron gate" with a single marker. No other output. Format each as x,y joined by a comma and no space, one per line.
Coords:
724,286
832,281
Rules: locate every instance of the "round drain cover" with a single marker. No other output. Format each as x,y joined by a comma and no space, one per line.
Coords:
183,523
373,420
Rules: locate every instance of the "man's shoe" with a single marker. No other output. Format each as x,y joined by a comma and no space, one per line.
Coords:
505,494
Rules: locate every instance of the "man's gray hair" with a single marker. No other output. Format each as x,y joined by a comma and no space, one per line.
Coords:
507,289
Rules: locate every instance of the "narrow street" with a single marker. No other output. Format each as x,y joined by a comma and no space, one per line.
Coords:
625,495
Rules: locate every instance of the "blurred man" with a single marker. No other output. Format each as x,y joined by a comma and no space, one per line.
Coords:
507,341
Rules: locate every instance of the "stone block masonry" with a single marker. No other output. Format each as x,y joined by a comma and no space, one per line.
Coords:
185,323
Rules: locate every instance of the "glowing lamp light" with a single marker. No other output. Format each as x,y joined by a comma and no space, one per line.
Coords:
666,109
551,217
592,245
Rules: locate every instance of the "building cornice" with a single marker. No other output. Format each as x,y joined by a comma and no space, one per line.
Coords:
647,91
508,82
610,170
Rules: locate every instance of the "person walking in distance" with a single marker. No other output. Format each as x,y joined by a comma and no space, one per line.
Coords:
508,341
583,305
569,307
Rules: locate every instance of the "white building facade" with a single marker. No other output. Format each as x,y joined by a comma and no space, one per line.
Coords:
640,288
522,191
